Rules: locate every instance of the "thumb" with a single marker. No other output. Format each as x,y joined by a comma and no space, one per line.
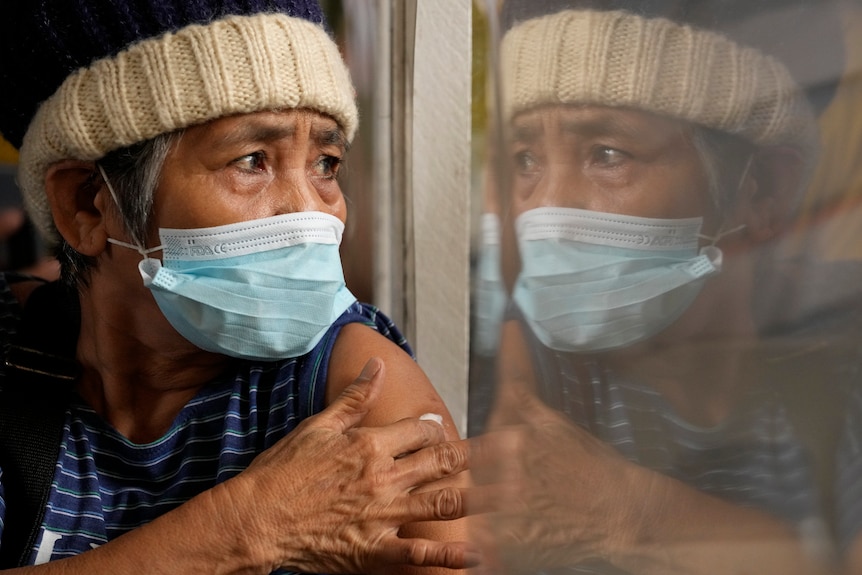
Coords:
516,377
514,396
353,404
521,405
518,403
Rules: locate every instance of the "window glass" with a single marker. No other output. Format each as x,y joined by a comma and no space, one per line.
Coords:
665,350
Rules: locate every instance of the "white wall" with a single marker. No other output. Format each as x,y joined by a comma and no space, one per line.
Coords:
441,196
422,175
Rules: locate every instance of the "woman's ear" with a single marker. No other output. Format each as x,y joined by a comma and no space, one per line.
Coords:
769,195
73,188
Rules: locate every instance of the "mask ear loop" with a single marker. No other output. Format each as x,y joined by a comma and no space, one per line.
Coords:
745,171
716,238
722,234
138,248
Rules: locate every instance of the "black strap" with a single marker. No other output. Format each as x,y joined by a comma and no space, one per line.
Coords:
34,395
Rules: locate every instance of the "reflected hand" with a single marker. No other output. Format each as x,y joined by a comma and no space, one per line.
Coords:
552,494
331,496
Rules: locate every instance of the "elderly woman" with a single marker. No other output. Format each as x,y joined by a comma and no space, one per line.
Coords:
184,157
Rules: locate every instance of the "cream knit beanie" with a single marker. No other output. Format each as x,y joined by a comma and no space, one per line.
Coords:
234,65
616,58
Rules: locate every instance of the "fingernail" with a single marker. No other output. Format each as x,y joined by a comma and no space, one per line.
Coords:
432,417
474,559
371,368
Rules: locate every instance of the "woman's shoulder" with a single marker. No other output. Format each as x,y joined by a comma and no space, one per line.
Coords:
372,317
407,390
303,381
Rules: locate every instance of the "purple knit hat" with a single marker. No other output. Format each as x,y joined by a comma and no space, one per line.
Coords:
43,41
81,78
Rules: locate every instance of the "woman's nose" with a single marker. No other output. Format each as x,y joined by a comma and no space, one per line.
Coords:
560,186
296,193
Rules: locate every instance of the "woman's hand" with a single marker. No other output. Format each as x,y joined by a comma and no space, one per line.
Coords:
331,496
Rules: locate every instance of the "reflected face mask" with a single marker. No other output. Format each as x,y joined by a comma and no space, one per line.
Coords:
489,292
592,281
263,289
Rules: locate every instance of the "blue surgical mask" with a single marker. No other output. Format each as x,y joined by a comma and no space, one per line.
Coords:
489,297
263,289
592,281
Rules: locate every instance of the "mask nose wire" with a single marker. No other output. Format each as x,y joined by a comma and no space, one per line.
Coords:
137,247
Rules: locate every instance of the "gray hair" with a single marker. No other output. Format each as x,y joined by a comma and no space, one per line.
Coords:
725,158
134,175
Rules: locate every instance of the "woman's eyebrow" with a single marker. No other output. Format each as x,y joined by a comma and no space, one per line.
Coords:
253,132
261,132
604,125
527,132
329,136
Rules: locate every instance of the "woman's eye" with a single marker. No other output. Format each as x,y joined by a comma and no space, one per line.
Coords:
526,162
254,162
326,167
605,156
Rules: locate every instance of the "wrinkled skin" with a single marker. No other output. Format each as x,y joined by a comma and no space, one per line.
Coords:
329,497
355,487
553,495
549,494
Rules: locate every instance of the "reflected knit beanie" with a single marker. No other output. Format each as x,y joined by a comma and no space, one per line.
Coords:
82,78
657,64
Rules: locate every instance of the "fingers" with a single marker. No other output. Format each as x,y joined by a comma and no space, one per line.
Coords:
356,400
438,505
500,449
427,553
435,462
400,438
503,496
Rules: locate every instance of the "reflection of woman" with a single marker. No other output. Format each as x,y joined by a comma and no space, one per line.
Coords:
652,161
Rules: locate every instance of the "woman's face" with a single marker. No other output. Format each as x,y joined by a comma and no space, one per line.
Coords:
608,160
252,166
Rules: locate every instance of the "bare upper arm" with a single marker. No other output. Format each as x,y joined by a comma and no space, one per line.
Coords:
407,390
407,393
